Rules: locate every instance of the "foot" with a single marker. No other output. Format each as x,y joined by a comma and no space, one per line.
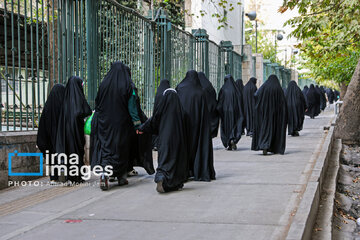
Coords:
233,145
229,148
297,133
62,177
132,173
104,182
122,181
159,187
112,179
265,152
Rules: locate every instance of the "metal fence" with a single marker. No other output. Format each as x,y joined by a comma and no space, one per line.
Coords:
44,42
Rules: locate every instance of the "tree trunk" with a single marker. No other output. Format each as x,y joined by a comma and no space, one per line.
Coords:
343,88
348,121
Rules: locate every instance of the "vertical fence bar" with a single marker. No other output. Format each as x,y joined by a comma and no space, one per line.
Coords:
26,67
42,55
91,46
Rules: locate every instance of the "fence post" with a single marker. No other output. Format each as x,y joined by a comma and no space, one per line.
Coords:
202,38
228,48
165,45
92,49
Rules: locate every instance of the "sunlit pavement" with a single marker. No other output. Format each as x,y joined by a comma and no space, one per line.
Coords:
253,198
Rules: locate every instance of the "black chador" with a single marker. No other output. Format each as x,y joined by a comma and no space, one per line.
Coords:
210,94
48,126
304,92
112,127
168,123
249,104
270,118
296,108
141,147
198,127
240,85
322,97
70,134
231,114
330,95
164,84
313,102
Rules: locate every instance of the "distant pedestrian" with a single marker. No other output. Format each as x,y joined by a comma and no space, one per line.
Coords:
169,124
304,92
231,114
322,98
48,126
70,134
330,95
270,118
313,102
249,104
296,108
240,85
198,127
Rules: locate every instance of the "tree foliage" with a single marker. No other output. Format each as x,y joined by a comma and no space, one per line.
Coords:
330,31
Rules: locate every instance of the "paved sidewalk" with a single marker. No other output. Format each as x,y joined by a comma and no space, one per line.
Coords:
254,197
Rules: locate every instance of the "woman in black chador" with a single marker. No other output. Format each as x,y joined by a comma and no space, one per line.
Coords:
198,128
164,84
141,146
313,102
48,126
231,114
330,95
270,118
322,98
114,123
240,85
296,108
168,123
70,134
304,92
210,95
249,104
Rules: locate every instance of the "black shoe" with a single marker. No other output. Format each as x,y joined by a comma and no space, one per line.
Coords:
159,187
104,182
112,179
233,145
265,152
122,181
297,133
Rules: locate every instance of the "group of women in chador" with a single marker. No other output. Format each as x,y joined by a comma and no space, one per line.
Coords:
181,128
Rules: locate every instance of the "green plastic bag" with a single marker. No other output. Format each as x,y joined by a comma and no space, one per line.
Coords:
87,127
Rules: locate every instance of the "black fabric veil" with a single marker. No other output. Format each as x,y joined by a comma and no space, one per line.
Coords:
168,122
112,130
249,104
164,84
270,117
296,107
48,126
210,94
231,114
198,127
70,136
313,101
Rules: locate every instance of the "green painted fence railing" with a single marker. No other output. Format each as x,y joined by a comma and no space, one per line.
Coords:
43,43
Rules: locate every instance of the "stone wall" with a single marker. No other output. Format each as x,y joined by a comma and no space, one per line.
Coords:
22,142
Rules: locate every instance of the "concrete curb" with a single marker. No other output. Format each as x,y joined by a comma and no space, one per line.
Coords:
305,217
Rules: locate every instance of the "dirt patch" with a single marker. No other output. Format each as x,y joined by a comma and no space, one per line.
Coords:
347,198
